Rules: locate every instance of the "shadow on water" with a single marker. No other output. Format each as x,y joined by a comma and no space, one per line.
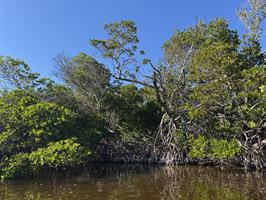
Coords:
139,181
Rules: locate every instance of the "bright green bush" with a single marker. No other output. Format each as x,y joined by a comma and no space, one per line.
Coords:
28,124
198,146
61,154
223,149
36,134
202,147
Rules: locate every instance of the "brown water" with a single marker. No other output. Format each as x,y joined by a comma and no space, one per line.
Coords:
143,182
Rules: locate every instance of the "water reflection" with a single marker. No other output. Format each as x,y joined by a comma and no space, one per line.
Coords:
111,182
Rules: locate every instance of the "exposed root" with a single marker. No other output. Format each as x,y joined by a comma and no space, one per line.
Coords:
253,155
166,149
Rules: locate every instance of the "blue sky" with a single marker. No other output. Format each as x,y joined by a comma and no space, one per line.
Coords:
36,30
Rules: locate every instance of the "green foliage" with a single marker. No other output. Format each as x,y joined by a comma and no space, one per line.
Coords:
138,115
183,141
201,147
122,39
198,147
15,166
120,48
63,154
251,98
201,35
28,123
36,134
60,95
15,73
89,129
223,149
87,78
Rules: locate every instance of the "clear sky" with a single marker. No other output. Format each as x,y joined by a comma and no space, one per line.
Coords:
36,30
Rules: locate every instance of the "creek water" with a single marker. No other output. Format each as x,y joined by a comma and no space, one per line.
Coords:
101,181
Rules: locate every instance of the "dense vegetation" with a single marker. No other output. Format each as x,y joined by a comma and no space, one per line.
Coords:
204,102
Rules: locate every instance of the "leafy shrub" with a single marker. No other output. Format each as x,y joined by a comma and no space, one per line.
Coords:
61,154
213,148
15,166
222,149
198,146
28,124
